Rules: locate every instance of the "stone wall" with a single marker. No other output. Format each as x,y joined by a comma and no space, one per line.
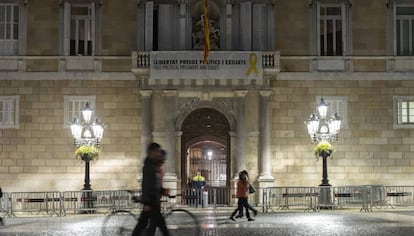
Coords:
119,29
43,28
369,36
39,155
369,151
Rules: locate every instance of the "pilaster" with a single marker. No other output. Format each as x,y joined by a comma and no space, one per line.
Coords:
265,142
241,131
170,105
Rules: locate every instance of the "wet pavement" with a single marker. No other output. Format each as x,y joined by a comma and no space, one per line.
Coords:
327,222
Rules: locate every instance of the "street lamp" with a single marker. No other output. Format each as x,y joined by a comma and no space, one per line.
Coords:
324,131
321,129
87,134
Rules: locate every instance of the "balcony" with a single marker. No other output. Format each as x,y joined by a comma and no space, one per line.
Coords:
284,67
270,66
270,62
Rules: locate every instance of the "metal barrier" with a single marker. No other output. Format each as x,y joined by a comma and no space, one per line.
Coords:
283,198
352,195
210,196
93,201
271,199
36,202
399,196
378,196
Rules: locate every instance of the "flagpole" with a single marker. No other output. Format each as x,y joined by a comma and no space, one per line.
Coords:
206,32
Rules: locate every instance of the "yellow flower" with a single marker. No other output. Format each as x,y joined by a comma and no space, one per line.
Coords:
87,152
323,147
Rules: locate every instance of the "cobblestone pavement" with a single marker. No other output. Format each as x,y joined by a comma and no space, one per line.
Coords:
338,222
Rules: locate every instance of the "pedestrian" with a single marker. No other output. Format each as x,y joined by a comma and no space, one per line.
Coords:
242,195
1,218
249,206
152,191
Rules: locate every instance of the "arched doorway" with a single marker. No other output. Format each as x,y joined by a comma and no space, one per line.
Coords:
205,147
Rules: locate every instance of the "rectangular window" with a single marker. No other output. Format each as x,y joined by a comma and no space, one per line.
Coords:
404,30
331,29
79,27
9,111
403,112
257,21
9,29
73,106
81,30
406,112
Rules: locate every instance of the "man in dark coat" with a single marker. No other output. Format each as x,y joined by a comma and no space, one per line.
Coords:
1,219
152,191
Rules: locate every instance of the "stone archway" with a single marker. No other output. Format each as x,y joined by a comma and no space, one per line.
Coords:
205,147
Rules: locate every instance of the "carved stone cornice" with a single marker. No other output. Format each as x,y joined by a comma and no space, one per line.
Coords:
99,2
170,93
265,93
188,105
146,93
183,2
240,93
311,2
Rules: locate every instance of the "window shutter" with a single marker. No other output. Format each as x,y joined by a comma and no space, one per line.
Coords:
93,14
66,29
149,22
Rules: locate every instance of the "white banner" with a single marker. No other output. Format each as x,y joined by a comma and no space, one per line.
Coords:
220,65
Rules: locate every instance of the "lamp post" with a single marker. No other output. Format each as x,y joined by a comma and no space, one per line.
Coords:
324,131
89,134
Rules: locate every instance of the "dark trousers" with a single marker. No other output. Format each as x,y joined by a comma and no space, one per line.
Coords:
249,207
242,202
155,218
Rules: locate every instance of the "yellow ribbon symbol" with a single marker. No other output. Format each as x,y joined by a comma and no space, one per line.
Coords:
252,64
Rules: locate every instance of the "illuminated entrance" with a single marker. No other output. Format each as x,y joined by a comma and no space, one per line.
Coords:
206,148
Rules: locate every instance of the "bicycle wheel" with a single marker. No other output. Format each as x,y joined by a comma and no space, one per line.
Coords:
120,222
181,222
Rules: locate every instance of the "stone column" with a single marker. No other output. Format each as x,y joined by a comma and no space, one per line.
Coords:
229,23
146,129
265,142
146,126
178,155
241,131
170,101
182,24
234,163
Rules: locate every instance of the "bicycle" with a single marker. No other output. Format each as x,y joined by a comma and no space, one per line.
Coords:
179,221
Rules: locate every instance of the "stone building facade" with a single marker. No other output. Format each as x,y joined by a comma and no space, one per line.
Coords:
364,69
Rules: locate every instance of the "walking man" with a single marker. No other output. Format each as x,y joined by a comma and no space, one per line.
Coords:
152,191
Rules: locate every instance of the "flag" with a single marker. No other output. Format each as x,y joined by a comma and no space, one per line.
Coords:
206,32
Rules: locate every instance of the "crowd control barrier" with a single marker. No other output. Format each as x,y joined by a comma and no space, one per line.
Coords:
36,203
364,197
285,198
399,196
